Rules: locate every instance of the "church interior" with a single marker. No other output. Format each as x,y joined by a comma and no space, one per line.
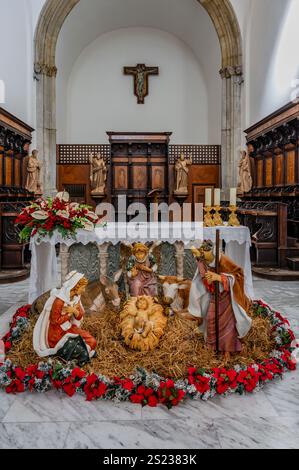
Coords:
173,107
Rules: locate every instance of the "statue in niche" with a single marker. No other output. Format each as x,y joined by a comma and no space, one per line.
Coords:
33,169
245,177
98,174
182,174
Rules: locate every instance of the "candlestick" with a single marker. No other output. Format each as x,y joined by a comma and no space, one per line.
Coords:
208,197
233,197
217,197
208,218
233,218
217,219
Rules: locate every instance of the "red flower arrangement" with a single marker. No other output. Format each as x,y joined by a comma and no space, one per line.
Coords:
149,389
44,216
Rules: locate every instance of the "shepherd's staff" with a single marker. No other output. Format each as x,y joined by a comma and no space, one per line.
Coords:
217,290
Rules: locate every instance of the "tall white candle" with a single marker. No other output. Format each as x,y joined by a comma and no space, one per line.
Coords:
233,196
208,197
217,197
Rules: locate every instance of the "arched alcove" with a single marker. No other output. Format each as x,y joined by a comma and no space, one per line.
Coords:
52,18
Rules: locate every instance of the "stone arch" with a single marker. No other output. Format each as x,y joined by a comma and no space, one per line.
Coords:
51,20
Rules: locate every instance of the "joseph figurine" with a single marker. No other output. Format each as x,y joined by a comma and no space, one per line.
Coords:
234,305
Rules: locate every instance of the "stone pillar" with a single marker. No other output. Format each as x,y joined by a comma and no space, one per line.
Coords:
103,258
231,139
64,259
180,255
46,124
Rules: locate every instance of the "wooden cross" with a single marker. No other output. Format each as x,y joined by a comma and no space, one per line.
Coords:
141,75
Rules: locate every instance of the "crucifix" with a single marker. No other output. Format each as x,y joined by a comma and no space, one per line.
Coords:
141,75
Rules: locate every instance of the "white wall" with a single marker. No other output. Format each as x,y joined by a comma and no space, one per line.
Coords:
268,77
100,97
15,56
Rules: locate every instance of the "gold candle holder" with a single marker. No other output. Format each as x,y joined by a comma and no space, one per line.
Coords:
233,220
208,218
217,219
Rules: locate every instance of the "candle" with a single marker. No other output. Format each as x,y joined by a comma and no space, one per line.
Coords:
217,197
233,196
208,197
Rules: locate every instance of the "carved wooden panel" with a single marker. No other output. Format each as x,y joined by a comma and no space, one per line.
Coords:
269,171
8,170
260,173
279,175
1,168
121,178
140,177
17,172
158,177
291,168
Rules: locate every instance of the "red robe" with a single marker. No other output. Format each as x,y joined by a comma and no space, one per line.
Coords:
57,320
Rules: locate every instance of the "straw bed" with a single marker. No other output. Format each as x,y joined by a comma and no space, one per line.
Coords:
182,346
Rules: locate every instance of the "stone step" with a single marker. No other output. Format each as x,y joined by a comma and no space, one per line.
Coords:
293,263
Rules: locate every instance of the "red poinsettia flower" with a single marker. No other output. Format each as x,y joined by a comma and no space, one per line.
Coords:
137,399
152,401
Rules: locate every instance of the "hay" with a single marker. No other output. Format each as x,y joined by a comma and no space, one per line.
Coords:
182,346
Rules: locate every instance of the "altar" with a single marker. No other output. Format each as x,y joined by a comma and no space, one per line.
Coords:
98,252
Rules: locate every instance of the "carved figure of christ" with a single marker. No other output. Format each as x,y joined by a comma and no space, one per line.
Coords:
141,75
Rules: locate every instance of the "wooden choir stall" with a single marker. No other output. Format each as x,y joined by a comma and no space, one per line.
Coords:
271,208
15,138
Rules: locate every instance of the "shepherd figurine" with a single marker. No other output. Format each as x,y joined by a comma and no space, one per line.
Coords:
217,297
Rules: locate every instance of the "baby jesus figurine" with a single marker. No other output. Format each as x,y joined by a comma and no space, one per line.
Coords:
234,322
142,323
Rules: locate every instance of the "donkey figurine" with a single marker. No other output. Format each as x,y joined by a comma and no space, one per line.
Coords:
98,295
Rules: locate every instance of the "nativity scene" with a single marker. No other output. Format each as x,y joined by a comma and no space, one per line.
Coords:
149,222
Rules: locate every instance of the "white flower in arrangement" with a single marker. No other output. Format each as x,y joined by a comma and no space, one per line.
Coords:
74,206
92,215
40,215
89,226
63,196
63,214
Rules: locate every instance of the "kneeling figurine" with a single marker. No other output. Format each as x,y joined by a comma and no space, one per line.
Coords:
58,328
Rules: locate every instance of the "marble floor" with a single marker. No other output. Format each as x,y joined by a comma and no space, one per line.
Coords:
267,419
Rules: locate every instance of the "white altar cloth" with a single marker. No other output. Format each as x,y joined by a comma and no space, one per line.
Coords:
44,269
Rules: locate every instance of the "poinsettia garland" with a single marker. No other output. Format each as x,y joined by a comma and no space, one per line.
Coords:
44,216
149,389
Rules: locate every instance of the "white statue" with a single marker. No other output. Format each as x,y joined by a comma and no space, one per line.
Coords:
245,178
33,168
182,173
98,174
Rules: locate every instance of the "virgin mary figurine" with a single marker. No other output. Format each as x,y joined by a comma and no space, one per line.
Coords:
60,321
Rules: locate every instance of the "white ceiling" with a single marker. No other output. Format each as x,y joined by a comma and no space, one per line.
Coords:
186,19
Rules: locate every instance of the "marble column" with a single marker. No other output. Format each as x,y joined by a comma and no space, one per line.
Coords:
231,139
179,256
103,258
64,259
46,124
